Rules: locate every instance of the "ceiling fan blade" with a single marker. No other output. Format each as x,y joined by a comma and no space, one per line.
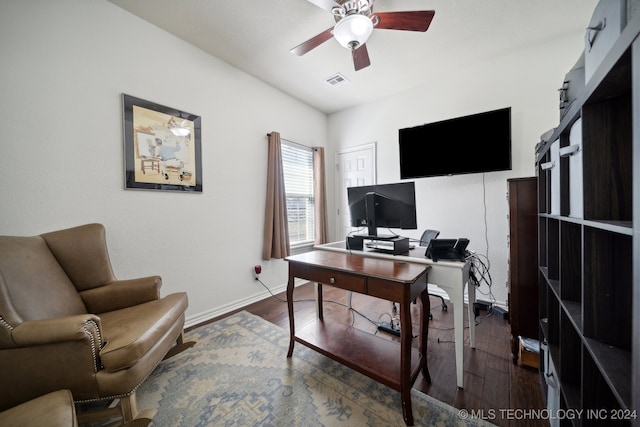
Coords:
360,57
417,20
313,42
325,4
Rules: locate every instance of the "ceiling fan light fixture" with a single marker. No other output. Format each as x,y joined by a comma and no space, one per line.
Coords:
352,31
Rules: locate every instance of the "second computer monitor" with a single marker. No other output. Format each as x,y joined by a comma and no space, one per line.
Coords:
384,205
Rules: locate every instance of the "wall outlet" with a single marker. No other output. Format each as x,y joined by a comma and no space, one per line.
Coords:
257,269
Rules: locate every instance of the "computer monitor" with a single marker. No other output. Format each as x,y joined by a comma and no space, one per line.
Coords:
384,205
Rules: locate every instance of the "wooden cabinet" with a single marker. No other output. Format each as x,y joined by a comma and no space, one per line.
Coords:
589,255
523,259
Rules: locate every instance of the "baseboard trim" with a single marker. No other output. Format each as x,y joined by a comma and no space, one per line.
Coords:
204,317
197,319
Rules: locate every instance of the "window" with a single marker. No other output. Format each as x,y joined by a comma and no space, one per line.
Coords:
297,165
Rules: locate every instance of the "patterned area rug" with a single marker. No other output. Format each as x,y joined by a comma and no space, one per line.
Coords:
238,375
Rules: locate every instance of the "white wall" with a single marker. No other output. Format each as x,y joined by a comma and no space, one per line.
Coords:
524,78
65,64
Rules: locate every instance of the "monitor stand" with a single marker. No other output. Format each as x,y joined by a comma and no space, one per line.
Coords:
398,245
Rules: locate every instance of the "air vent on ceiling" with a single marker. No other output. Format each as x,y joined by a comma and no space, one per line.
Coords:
337,80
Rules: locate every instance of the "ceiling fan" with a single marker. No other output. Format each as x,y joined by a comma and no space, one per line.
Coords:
355,21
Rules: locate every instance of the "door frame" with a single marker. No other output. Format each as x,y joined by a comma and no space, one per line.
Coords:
338,182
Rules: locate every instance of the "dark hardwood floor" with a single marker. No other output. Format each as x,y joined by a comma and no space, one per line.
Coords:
492,383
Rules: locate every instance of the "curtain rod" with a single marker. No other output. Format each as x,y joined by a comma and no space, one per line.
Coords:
295,143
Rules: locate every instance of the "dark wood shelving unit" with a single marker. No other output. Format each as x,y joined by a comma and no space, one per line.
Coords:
588,273
523,260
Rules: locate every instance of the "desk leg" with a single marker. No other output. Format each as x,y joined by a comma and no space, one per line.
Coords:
319,301
292,327
424,332
405,360
457,298
471,291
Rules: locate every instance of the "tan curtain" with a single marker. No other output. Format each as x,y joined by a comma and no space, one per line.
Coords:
320,195
276,229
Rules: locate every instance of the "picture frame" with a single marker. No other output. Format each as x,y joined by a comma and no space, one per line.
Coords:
162,147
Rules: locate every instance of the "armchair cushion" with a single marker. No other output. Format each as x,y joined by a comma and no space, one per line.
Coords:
131,332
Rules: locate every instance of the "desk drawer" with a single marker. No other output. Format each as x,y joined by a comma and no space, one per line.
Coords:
393,291
350,282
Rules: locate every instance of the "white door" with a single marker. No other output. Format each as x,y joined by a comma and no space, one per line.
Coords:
354,167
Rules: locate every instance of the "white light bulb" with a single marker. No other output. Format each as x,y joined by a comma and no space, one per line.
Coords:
352,31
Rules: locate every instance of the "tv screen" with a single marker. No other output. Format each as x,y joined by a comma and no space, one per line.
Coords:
469,144
383,205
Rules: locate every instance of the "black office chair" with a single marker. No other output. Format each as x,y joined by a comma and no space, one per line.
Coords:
427,236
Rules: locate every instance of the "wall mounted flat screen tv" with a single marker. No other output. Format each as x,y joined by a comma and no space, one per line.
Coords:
469,144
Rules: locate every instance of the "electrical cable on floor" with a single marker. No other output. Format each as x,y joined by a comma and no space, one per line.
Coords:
379,321
274,296
313,300
374,323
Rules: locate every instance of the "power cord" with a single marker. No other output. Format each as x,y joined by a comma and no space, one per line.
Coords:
479,274
393,324
486,228
313,300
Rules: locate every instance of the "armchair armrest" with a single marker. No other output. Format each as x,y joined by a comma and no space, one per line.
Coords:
51,354
64,329
122,294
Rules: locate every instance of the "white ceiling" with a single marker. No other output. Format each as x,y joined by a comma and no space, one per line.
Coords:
256,35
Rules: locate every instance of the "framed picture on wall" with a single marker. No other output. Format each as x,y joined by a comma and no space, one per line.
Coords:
162,147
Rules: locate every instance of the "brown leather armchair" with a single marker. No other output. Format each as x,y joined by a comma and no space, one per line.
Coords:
66,322
54,409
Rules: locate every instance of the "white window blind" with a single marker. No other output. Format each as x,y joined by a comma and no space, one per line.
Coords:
297,164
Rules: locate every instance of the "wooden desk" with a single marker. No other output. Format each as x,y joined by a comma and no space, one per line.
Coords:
369,354
450,276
